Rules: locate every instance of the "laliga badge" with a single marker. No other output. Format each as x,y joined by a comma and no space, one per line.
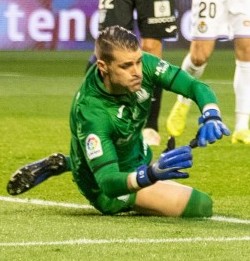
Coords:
93,146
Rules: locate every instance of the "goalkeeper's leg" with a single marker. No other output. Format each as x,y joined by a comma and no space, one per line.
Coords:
35,173
199,205
169,198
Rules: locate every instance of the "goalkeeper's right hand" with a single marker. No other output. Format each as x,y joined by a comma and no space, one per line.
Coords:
167,167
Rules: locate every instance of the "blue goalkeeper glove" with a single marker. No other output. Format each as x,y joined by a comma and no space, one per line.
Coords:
212,128
167,167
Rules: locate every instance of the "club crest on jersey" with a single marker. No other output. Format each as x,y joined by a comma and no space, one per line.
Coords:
162,9
142,95
93,146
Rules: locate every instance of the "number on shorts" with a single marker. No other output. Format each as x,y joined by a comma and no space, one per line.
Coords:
106,4
207,10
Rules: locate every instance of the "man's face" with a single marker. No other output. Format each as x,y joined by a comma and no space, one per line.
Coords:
125,71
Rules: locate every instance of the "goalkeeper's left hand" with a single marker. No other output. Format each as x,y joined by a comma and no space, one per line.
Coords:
212,127
168,166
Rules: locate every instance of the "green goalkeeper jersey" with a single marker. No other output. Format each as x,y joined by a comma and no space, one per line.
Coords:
107,142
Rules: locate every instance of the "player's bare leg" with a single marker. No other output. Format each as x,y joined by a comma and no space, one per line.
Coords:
242,91
169,198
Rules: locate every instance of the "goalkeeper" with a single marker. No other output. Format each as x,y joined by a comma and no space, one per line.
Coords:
110,162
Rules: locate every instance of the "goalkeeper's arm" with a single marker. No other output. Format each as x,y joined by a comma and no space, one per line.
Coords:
167,167
115,183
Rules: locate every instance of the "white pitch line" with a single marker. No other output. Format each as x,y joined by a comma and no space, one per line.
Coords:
230,220
222,82
86,241
84,206
45,203
10,75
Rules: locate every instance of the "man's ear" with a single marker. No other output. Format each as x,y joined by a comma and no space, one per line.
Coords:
102,66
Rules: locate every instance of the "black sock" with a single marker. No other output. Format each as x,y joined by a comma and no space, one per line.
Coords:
155,109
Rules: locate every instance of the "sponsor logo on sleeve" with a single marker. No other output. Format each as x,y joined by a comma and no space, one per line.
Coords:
161,67
93,146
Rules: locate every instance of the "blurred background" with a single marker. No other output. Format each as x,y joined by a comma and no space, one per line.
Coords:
67,25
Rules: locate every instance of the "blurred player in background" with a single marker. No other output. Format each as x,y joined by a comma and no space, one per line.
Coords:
213,20
110,162
156,21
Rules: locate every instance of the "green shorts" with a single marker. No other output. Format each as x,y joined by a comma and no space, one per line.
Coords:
107,205
111,206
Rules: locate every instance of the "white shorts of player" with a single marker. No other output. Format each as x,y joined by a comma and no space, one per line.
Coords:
220,19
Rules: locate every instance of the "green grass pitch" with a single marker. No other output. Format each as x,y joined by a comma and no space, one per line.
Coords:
36,89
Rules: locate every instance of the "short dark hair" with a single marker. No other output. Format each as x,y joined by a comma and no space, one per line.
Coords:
114,37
